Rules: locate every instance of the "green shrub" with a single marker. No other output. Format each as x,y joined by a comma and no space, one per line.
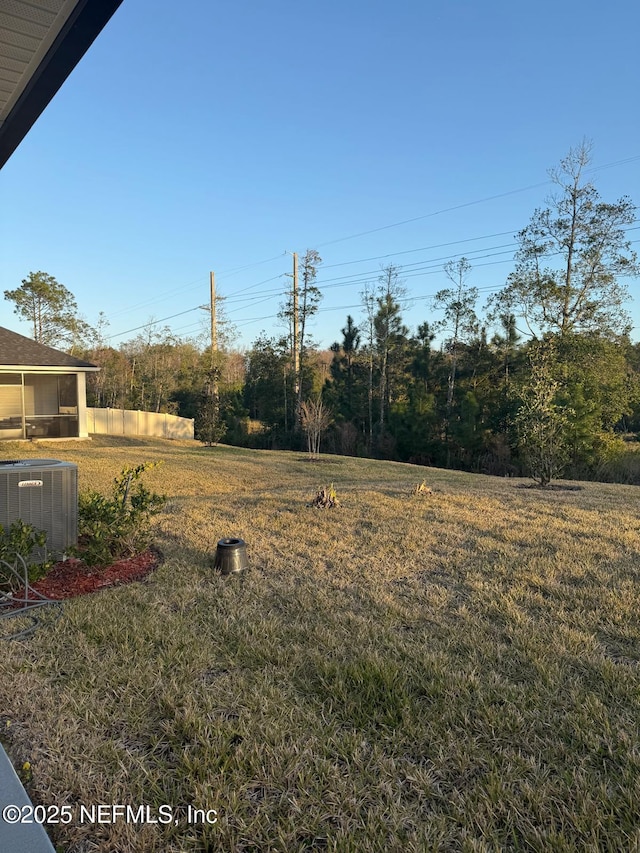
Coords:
618,461
16,545
113,527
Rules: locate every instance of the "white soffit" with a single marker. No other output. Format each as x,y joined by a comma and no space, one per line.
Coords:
27,32
41,42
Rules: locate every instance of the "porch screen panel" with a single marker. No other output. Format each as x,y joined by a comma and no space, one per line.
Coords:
10,401
41,395
68,394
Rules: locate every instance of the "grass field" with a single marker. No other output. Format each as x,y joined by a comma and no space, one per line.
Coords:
456,671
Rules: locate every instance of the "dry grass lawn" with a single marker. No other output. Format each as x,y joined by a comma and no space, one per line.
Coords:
454,671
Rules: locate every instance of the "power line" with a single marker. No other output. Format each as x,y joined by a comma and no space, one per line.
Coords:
152,323
168,294
405,270
437,263
435,246
155,299
470,204
421,249
236,270
408,300
433,213
362,277
422,268
251,286
624,162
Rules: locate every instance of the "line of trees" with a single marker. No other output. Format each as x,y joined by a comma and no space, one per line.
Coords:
540,380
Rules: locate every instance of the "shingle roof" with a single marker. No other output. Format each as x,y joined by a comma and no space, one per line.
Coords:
18,351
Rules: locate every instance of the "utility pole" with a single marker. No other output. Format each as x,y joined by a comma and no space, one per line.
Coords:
214,330
208,416
296,347
214,338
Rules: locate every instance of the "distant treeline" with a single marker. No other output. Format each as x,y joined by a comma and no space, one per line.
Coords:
395,396
543,380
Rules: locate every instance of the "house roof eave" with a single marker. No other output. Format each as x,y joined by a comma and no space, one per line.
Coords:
40,368
48,39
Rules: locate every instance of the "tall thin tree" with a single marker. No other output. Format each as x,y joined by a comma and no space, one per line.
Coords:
572,258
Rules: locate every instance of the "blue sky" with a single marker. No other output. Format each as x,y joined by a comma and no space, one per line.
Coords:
199,136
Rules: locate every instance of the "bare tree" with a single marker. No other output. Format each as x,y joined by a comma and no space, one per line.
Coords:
315,419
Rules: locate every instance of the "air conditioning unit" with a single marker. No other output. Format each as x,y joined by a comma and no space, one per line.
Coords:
44,493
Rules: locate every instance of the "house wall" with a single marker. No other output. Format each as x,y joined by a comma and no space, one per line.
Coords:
82,405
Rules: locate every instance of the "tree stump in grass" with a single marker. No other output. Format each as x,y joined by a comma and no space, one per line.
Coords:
421,489
325,498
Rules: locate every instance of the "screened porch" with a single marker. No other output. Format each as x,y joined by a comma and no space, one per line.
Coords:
40,405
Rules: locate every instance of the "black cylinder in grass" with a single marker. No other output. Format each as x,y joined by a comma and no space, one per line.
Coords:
231,556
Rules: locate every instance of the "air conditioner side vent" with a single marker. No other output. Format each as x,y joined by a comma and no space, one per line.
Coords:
44,493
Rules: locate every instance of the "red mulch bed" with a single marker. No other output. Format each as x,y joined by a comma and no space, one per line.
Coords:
72,577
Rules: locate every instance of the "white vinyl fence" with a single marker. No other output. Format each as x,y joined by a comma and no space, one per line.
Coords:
128,422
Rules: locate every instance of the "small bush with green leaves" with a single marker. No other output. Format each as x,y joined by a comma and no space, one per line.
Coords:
17,543
113,527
